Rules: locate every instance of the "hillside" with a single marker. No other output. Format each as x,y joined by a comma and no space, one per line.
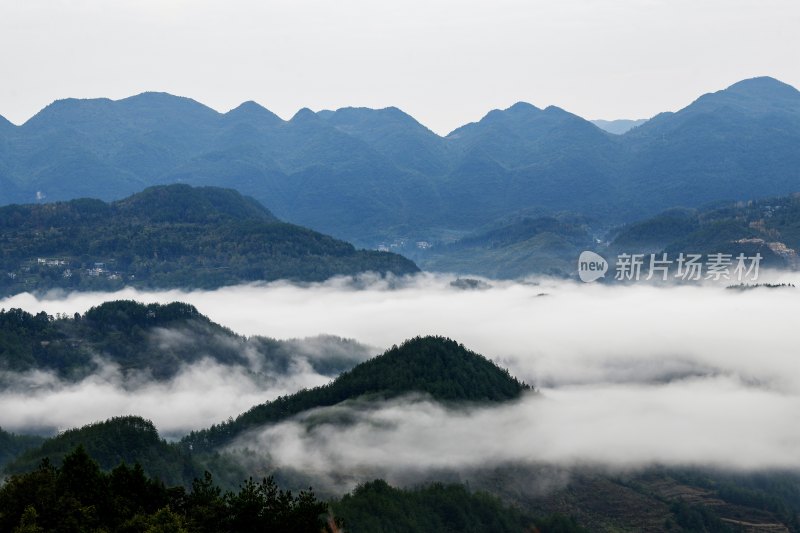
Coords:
128,439
153,340
168,237
436,366
12,445
370,175
78,495
579,498
514,249
770,227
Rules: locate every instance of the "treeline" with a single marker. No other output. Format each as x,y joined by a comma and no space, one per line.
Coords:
122,439
120,331
156,339
378,507
12,445
168,237
78,497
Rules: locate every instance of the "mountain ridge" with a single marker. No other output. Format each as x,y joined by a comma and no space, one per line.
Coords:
169,237
370,175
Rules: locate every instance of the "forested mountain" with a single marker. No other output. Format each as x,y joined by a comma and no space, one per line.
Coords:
124,439
770,227
436,366
513,249
655,499
168,237
152,340
12,445
370,175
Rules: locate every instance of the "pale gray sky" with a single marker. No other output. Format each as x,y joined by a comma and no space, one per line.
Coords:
446,62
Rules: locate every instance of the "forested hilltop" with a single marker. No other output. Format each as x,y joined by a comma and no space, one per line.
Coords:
154,340
437,366
171,236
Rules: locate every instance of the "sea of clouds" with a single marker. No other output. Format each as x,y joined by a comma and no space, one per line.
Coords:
625,376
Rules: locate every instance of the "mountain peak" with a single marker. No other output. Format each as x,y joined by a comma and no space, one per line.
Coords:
304,115
763,87
161,101
522,107
251,110
362,119
752,96
436,366
183,203
66,110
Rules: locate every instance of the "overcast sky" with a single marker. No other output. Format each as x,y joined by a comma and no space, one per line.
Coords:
446,62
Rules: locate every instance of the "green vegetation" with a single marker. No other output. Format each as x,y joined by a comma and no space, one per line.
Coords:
548,245
376,507
126,439
770,227
168,237
155,339
12,445
79,496
436,366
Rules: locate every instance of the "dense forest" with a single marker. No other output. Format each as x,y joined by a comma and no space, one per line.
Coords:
513,248
377,506
134,337
437,366
770,227
169,237
79,496
124,439
46,478
12,445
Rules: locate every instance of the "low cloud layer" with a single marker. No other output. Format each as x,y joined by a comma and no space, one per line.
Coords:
199,394
716,422
628,375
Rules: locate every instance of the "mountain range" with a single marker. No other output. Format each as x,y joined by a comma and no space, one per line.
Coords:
368,175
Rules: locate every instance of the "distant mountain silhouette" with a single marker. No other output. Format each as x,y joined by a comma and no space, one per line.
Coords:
619,126
367,175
